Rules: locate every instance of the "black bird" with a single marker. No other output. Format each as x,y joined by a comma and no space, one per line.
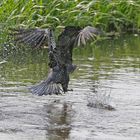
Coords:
60,53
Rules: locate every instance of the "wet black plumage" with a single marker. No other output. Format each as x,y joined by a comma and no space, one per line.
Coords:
60,53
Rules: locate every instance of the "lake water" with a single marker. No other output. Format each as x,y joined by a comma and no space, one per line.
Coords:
109,70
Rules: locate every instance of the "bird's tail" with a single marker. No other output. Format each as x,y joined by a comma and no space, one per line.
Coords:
45,88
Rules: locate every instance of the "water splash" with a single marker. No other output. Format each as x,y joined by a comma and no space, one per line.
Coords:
100,99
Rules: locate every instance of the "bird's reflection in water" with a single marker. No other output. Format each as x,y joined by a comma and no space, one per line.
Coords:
58,117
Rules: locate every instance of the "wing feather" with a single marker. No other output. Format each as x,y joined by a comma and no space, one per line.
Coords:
35,38
86,34
28,39
41,42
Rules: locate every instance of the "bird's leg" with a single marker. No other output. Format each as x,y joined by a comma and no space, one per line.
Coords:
65,88
69,89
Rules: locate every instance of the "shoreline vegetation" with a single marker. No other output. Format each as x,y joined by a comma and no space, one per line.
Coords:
109,15
114,17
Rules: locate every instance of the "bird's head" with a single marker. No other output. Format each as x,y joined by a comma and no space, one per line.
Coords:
71,30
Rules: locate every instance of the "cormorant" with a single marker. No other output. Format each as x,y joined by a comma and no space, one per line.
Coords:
60,53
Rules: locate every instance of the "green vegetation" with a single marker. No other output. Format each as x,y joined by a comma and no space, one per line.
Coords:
109,15
116,15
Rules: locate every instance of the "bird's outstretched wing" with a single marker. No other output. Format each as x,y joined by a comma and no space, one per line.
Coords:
58,74
35,38
86,34
73,36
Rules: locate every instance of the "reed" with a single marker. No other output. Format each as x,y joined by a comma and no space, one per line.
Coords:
110,15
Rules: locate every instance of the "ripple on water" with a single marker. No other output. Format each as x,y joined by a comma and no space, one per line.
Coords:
24,116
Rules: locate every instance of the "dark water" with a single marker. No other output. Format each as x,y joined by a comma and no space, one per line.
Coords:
111,70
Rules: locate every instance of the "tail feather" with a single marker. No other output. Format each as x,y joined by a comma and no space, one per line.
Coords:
46,89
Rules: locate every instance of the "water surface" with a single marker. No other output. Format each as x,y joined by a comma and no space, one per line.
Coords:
111,67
